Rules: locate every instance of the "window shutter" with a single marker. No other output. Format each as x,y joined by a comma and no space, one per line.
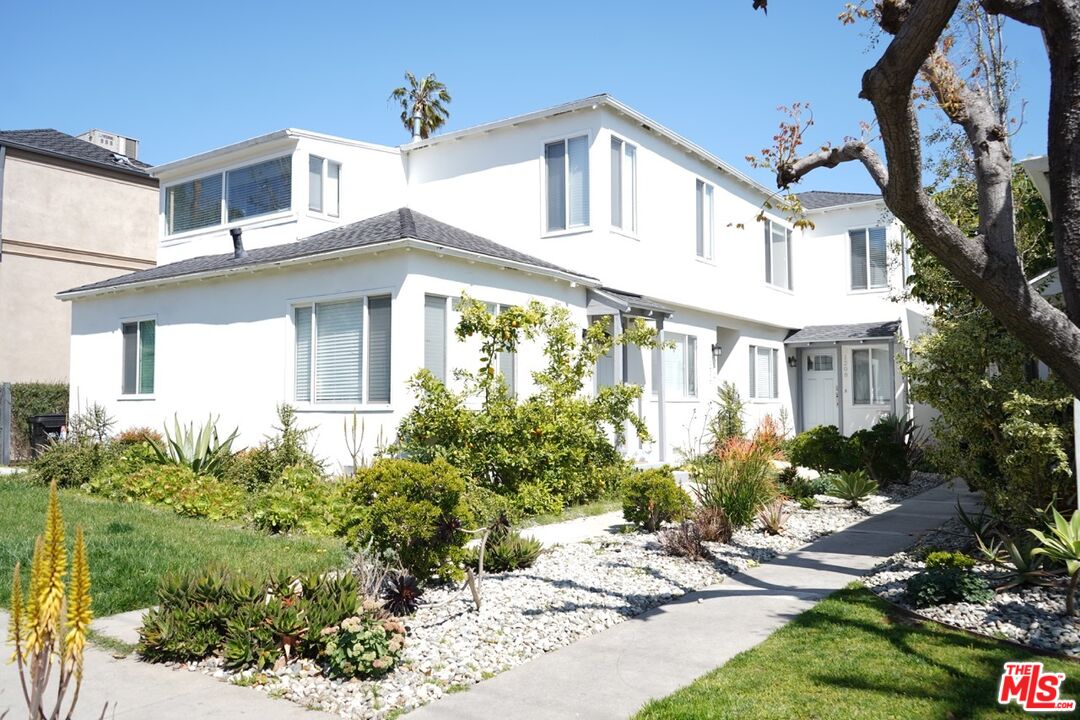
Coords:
710,223
130,332
508,363
555,158
332,195
259,189
878,258
774,372
630,189
379,349
338,343
768,252
858,259
605,364
302,327
315,189
753,364
763,374
578,149
779,256
194,204
657,359
699,194
435,335
691,366
616,182
146,356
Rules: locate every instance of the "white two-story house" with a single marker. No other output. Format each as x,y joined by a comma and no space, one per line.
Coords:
321,272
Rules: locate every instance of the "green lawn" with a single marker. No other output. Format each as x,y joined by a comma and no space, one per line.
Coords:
849,658
132,546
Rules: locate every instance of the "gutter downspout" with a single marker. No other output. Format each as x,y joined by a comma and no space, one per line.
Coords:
3,161
661,394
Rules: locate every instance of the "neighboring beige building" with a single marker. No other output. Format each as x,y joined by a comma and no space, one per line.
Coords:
71,212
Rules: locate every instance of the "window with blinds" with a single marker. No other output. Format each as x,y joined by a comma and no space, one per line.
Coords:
871,376
566,164
244,192
623,185
763,373
340,344
677,366
869,259
435,335
138,357
193,205
705,220
778,265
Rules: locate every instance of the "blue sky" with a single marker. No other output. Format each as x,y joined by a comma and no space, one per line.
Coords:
187,77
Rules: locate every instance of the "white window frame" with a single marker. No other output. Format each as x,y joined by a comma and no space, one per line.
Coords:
870,287
326,163
629,197
690,366
365,349
138,357
708,220
875,399
774,371
565,139
789,235
223,221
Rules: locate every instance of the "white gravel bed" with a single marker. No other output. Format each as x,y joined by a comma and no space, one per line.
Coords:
572,591
1029,615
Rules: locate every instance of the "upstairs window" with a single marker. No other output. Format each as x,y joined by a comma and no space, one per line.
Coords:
236,194
623,185
138,363
677,366
777,255
705,220
566,164
763,373
869,259
324,180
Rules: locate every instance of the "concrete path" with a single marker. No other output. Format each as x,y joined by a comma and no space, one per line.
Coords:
137,691
122,626
573,531
612,674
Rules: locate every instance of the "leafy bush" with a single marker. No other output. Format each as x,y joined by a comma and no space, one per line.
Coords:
486,506
855,487
652,497
739,484
299,500
138,436
713,524
27,400
250,624
265,463
772,516
684,540
889,450
415,510
366,645
824,449
947,559
797,487
173,486
204,453
942,585
72,462
728,420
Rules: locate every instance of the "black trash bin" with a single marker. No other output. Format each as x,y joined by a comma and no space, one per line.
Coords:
43,429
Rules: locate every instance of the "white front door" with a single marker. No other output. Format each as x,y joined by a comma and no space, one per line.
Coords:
820,398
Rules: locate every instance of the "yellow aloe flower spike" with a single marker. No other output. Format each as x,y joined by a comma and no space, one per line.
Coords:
15,632
32,631
55,563
79,614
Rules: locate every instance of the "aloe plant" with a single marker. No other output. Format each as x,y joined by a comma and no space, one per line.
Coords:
203,452
855,487
1062,544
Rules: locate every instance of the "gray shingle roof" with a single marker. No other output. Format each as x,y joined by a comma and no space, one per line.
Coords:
401,224
818,199
56,143
838,333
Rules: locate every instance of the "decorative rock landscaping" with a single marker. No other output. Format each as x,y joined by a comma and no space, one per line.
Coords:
1029,615
572,591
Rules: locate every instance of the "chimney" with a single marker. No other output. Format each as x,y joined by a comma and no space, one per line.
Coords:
238,250
416,126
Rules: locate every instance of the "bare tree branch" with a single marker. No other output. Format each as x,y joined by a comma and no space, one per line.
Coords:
1029,12
831,157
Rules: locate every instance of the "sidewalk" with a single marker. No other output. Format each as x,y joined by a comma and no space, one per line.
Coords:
612,674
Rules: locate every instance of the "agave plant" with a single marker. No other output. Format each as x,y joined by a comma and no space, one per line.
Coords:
772,516
203,452
1062,544
855,487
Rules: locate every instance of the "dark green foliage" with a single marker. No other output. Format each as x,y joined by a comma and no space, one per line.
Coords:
298,500
413,509
684,540
740,483
946,584
72,462
486,506
652,497
855,487
250,623
173,486
402,594
824,449
889,450
266,463
29,399
800,488
506,550
728,420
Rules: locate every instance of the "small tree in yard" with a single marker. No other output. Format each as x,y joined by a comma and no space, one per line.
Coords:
987,263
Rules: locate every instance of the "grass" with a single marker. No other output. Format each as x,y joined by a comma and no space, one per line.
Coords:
131,547
850,657
595,507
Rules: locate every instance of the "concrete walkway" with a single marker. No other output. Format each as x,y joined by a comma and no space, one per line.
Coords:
574,531
612,674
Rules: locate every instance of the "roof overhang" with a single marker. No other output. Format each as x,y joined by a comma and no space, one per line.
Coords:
855,333
1038,169
373,249
130,171
602,301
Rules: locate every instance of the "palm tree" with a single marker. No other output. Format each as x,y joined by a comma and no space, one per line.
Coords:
422,105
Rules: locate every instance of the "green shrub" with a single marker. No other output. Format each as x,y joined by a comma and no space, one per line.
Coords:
855,486
888,450
265,463
413,509
535,499
947,559
72,462
203,452
728,420
798,487
27,400
824,449
506,550
942,585
299,500
652,497
739,484
173,486
366,645
486,506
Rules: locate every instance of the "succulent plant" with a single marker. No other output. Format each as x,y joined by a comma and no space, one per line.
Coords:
402,594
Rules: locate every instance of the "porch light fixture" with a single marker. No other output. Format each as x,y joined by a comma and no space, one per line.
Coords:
717,352
791,361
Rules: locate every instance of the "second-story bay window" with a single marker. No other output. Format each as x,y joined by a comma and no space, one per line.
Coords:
706,244
623,185
777,255
869,259
566,166
244,192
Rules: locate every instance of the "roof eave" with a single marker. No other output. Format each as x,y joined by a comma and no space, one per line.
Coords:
847,206
126,170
